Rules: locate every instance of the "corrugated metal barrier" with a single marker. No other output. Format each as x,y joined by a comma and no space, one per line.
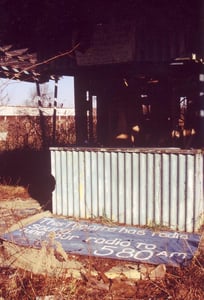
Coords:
130,186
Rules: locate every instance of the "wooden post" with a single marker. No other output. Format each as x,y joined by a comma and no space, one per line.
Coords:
55,112
81,110
42,121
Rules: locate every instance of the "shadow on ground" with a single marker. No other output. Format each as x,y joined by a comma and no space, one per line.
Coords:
31,169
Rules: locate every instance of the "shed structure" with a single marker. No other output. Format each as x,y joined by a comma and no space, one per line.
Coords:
139,75
138,65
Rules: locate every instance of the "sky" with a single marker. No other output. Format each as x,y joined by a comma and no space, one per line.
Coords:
17,93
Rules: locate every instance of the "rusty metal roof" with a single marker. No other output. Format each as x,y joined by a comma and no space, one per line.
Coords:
23,65
18,63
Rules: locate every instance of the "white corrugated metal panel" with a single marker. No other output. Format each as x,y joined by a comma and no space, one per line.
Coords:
131,186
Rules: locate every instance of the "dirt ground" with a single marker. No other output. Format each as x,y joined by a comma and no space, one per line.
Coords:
43,274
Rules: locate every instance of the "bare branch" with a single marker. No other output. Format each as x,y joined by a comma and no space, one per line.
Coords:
47,61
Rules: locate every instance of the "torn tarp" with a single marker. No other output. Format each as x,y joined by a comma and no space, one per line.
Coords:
109,241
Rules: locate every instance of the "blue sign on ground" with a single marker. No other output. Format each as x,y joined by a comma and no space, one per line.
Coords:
116,242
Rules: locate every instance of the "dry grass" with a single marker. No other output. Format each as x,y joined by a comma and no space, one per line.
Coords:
8,192
179,284
16,283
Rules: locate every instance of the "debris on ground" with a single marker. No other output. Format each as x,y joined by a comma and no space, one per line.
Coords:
27,273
